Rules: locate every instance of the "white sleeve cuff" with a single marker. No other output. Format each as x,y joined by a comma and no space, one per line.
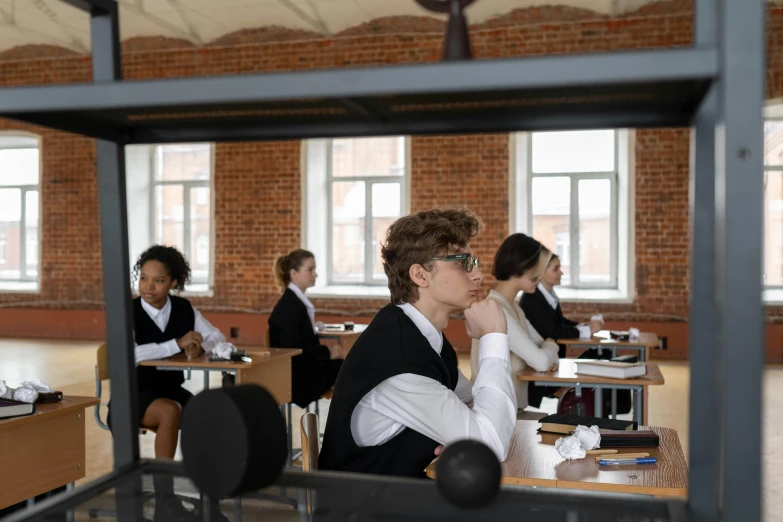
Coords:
171,347
494,345
584,331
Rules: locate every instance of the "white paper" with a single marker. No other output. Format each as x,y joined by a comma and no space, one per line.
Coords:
570,448
5,391
224,350
589,437
634,333
37,385
28,395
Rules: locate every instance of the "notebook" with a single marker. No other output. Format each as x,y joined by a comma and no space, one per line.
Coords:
611,369
565,424
9,408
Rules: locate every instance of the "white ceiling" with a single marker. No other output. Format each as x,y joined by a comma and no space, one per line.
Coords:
201,21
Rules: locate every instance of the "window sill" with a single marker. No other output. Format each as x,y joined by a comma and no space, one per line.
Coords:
19,287
773,296
197,293
350,291
604,295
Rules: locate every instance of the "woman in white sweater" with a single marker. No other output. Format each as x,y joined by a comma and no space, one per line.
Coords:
519,263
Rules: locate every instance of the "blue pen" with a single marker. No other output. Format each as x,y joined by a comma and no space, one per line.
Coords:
617,462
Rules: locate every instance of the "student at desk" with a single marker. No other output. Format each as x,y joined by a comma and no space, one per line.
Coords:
519,262
292,325
542,309
165,325
400,394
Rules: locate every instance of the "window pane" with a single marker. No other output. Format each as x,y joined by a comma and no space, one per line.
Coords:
10,233
348,216
183,162
595,232
170,216
31,230
573,151
200,234
551,201
368,157
773,229
386,209
19,166
773,143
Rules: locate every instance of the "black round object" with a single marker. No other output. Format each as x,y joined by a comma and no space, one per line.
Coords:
468,474
233,440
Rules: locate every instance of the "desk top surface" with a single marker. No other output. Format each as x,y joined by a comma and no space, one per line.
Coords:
602,338
258,355
533,461
339,330
69,403
567,373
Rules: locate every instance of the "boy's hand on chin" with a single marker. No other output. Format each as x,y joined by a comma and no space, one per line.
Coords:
485,317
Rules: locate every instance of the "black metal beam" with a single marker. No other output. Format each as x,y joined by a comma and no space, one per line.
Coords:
739,210
456,125
93,6
553,72
705,427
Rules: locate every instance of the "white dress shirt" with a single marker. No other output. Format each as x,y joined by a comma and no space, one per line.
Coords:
151,351
430,408
302,297
526,345
552,299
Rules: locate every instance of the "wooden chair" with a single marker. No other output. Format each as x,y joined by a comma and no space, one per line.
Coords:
308,428
310,441
102,374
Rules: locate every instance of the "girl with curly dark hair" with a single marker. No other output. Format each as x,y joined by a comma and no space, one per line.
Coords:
165,325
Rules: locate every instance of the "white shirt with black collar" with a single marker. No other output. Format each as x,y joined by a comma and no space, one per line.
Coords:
153,351
430,408
552,299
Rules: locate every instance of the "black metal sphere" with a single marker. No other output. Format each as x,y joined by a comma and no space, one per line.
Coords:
468,474
233,440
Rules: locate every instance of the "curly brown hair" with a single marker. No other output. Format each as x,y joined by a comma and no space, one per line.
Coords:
416,239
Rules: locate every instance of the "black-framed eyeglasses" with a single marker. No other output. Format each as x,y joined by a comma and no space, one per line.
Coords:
468,261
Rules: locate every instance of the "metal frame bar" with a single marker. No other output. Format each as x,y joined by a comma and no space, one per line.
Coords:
562,71
739,165
704,421
106,67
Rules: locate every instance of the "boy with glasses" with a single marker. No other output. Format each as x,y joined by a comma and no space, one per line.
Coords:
400,395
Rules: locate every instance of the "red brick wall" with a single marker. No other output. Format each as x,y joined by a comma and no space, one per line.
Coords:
257,185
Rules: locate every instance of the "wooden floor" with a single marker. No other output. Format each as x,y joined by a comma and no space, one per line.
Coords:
69,366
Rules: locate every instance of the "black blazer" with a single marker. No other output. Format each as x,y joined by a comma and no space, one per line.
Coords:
290,327
548,322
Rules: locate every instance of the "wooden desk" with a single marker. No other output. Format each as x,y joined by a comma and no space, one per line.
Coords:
271,368
602,341
43,451
344,338
566,375
533,461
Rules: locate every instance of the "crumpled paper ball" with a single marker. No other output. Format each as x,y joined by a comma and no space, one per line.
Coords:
570,448
589,437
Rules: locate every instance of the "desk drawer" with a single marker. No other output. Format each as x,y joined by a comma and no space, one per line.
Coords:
36,457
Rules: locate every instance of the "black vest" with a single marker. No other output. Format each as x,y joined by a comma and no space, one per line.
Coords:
391,345
181,321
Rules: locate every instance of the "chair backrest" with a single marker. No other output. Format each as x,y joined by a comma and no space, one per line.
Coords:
267,339
103,363
309,430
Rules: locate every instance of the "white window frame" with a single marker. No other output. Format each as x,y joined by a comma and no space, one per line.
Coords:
196,287
620,289
772,294
317,217
25,282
